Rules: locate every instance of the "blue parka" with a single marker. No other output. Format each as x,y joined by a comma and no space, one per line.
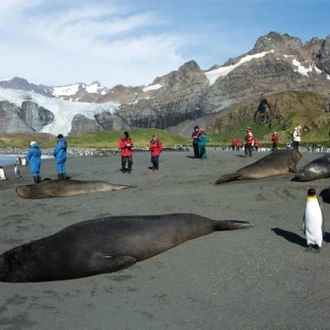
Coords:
60,150
34,157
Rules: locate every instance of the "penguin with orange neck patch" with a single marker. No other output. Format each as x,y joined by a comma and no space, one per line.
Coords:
313,225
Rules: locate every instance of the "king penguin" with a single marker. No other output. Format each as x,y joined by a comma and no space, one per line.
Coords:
313,225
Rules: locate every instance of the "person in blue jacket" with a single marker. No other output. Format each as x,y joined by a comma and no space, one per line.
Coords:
34,158
202,139
60,154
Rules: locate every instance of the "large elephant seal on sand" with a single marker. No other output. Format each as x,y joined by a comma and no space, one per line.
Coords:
276,163
66,188
318,168
104,245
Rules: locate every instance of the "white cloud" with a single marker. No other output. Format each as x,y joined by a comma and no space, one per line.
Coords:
109,43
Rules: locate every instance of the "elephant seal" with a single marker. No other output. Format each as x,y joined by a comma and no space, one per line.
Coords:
318,168
313,225
276,163
104,245
66,188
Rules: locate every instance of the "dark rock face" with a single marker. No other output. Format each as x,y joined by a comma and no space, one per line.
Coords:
81,124
34,116
10,119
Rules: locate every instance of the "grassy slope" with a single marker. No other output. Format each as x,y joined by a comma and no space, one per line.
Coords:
141,138
288,109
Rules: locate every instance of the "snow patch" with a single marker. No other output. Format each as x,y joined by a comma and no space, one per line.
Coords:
152,87
213,75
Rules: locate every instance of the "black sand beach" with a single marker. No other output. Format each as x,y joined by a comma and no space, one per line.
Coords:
257,278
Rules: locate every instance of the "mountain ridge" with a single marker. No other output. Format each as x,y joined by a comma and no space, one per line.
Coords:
277,62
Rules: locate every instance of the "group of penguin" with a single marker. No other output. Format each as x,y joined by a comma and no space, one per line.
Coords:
3,175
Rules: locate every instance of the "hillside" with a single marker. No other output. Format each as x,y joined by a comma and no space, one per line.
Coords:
279,112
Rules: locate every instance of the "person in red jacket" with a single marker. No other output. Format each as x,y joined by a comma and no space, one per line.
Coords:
275,140
248,142
156,148
126,145
256,144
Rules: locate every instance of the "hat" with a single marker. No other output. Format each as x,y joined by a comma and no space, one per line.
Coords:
33,143
299,127
60,136
196,127
153,135
248,128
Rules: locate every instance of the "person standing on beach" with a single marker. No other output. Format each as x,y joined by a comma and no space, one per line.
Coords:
34,158
155,147
202,138
256,144
126,145
194,137
60,153
275,140
248,142
296,136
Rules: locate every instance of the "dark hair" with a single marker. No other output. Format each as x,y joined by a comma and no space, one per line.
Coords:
60,136
126,134
196,127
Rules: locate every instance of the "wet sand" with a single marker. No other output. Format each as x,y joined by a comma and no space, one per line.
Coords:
258,278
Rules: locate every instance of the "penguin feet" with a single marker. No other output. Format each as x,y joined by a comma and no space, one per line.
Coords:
313,248
309,248
317,249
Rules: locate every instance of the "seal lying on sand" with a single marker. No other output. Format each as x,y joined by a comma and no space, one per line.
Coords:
65,188
276,163
318,168
104,245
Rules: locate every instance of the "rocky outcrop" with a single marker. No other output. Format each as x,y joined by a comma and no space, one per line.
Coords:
10,119
34,116
81,124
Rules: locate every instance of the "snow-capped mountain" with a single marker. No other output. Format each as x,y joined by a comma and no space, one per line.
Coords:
72,92
277,62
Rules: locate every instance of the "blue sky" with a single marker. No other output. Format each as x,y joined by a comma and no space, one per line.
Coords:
131,42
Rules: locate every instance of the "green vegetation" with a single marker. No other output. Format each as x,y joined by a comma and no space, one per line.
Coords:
105,139
141,138
286,110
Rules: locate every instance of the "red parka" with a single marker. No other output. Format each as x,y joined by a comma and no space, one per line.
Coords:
156,147
126,145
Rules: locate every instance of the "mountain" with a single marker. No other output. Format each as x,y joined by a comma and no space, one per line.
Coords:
277,62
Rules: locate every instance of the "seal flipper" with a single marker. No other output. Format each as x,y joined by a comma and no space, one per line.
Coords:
231,225
293,168
228,178
109,264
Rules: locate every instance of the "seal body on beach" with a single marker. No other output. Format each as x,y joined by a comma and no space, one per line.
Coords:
104,245
3,176
313,221
318,168
66,188
276,163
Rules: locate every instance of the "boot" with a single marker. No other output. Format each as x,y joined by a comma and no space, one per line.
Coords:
64,176
39,178
60,176
35,179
